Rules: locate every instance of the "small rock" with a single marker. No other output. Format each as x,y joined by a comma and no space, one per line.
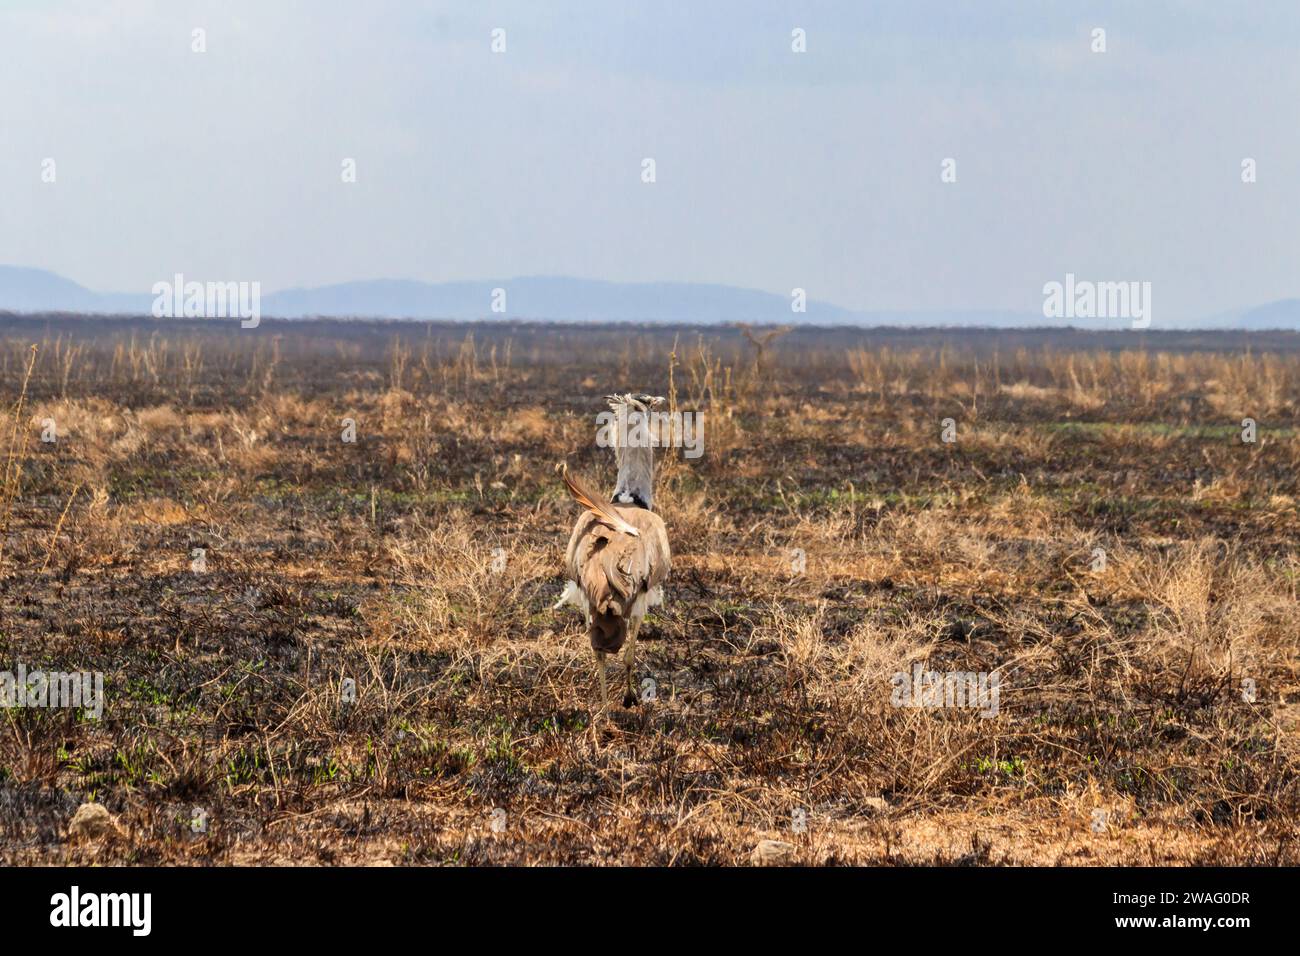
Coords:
773,853
91,822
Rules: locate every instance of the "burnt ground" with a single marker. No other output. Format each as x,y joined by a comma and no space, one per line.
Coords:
1148,698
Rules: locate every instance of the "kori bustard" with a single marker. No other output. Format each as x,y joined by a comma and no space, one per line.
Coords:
618,553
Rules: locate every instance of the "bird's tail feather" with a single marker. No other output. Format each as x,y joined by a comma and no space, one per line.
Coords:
603,512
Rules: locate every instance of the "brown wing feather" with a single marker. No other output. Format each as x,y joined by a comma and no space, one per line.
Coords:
584,496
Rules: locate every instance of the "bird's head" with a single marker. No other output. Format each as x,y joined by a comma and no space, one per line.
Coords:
639,401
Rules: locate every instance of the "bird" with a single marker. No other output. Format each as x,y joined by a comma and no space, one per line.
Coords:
618,555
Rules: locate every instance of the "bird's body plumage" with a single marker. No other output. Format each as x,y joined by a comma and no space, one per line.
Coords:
617,575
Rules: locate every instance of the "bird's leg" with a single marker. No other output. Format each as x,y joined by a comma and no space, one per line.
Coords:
604,691
629,662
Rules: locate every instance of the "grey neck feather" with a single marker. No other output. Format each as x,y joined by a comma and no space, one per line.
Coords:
636,462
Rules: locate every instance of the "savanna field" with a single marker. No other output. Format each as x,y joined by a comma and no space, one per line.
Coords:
336,651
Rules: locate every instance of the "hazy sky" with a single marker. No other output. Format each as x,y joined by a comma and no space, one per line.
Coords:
774,169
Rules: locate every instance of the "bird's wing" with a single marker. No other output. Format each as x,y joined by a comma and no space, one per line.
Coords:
654,556
591,501
592,562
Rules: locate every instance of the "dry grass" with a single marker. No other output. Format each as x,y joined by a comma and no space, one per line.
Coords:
1124,733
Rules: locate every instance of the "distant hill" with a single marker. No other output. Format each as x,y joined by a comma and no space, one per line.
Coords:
34,290
1282,314
534,297
546,297
582,300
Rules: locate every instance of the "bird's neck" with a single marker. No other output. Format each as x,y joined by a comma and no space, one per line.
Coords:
636,467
